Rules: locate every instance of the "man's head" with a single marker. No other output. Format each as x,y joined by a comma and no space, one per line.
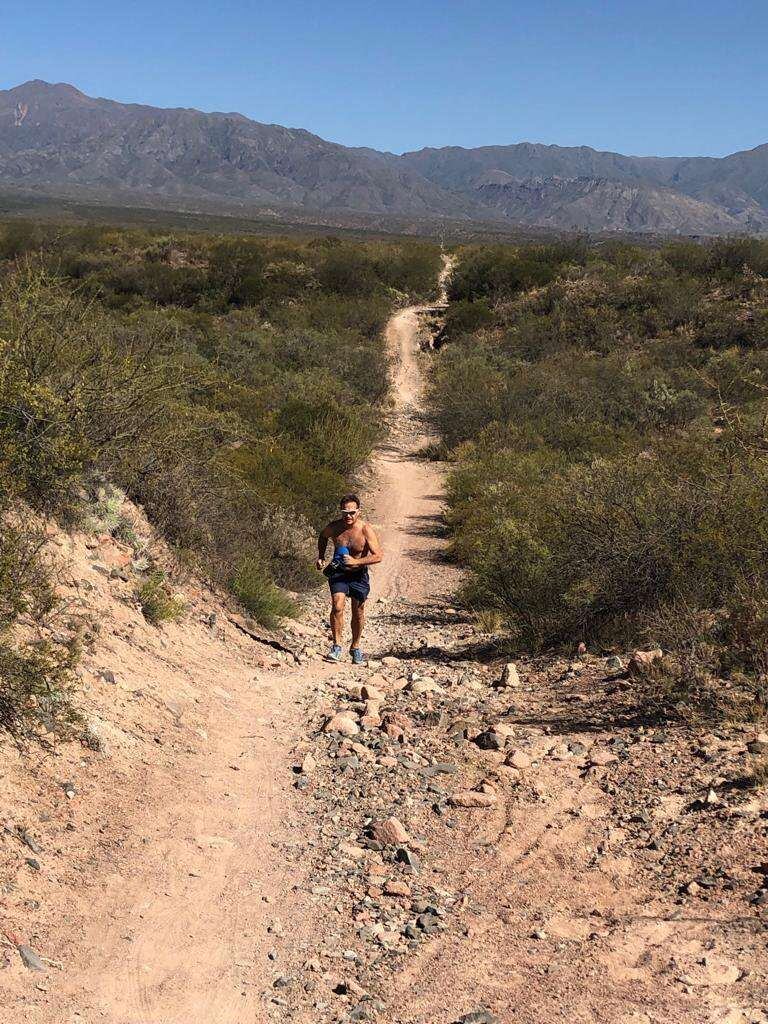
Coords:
350,508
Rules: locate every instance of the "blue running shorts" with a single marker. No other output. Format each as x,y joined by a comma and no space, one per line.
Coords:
353,584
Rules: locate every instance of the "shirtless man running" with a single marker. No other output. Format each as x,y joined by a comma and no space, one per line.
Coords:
356,546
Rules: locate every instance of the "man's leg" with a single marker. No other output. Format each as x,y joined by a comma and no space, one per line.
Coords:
337,616
358,621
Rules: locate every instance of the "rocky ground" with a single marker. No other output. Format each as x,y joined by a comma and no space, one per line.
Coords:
522,844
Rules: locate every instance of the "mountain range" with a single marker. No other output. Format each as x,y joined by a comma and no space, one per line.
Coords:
55,140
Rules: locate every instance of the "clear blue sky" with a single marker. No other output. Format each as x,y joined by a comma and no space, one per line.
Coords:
651,77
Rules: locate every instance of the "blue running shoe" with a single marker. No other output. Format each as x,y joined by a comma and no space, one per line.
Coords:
357,656
334,654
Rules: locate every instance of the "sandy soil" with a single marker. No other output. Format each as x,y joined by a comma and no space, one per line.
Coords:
182,883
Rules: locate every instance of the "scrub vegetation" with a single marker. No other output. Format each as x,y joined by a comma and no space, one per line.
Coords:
604,409
231,386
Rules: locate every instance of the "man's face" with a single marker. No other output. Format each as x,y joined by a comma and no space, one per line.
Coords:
349,513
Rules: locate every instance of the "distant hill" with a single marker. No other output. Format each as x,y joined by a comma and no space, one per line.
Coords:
57,141
71,141
574,187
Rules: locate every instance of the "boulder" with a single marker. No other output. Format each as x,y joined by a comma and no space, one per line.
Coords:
394,732
396,887
370,692
471,798
424,685
398,718
518,759
494,738
509,677
390,832
758,744
343,724
641,661
599,757
363,752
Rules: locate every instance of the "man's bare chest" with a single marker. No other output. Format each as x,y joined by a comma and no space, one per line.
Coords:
354,539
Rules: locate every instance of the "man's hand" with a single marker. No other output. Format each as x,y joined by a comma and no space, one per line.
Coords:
319,565
350,561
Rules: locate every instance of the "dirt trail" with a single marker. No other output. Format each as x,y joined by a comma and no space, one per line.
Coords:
170,914
198,882
160,881
407,496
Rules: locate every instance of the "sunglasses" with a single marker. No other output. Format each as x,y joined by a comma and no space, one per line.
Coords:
350,512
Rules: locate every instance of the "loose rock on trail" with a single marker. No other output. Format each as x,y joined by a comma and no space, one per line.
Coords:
434,837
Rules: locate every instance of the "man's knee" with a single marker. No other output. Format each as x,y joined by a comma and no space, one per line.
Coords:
337,602
358,608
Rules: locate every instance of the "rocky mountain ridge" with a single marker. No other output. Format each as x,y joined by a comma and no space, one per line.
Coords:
56,140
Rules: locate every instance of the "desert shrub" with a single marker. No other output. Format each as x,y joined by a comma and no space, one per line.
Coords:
171,368
465,317
282,473
37,689
37,680
467,393
597,419
494,274
26,590
43,448
154,282
19,237
158,603
104,512
409,268
717,666
587,551
722,325
286,541
257,593
159,249
335,435
347,271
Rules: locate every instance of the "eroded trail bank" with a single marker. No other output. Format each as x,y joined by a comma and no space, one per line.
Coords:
150,866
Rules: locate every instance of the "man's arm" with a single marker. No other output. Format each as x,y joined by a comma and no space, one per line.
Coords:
375,554
322,544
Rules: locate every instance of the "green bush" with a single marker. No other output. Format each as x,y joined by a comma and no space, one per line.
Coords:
43,447
495,274
347,271
465,317
587,552
333,434
37,689
225,384
37,681
158,603
605,422
253,587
